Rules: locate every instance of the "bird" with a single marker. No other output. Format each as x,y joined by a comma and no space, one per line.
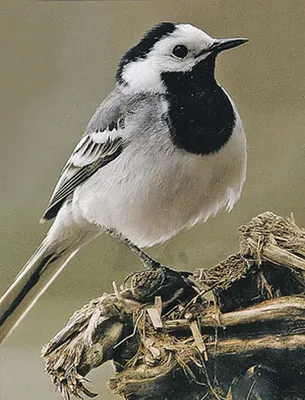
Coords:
165,150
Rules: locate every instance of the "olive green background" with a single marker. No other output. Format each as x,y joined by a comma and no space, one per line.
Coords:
58,62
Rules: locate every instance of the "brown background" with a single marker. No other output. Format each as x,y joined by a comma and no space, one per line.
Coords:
58,61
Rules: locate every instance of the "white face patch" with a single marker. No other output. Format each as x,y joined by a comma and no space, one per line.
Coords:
144,74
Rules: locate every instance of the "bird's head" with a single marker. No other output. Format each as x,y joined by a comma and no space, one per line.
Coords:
167,48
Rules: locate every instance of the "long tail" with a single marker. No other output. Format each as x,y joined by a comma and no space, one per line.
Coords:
31,282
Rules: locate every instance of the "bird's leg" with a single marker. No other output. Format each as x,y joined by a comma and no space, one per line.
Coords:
163,280
145,258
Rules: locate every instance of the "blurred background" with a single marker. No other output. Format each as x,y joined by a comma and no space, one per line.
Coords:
58,62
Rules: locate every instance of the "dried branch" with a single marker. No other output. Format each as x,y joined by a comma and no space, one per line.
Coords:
282,308
244,346
231,332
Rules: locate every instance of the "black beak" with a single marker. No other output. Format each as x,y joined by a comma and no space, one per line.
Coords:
223,44
226,44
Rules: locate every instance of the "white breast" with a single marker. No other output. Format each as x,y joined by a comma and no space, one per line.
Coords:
153,190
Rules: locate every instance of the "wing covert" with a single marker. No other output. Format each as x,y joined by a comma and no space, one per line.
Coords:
103,141
94,150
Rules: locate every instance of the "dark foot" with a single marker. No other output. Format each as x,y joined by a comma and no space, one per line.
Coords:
162,281
157,279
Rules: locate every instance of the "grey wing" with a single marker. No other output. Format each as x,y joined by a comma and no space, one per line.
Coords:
100,145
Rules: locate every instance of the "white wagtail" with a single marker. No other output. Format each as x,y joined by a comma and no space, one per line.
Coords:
165,150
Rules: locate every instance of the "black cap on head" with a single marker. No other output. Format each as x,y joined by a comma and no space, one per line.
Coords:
141,49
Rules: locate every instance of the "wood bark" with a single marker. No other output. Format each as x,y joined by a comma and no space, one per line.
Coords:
234,332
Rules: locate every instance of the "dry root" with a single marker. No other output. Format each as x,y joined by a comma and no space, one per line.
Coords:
236,331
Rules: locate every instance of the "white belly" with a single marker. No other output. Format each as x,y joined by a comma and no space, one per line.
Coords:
150,196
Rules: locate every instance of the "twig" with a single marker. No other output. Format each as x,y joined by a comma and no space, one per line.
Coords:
282,308
132,334
236,346
275,254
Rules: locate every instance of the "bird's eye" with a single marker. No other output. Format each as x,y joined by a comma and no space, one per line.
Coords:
180,51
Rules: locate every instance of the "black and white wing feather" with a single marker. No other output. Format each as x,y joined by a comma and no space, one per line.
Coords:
102,142
94,150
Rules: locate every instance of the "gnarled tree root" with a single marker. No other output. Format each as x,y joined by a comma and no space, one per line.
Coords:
236,331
